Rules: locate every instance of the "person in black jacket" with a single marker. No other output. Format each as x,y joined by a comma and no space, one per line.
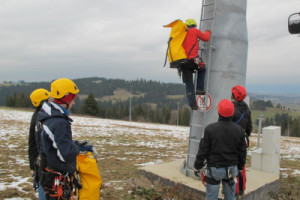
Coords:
242,113
223,148
37,97
242,117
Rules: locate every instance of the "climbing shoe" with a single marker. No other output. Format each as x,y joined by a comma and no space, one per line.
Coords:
200,92
194,107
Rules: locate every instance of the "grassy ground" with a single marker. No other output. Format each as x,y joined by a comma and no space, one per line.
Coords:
175,97
120,156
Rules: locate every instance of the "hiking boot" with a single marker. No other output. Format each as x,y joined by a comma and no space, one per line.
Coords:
200,92
194,107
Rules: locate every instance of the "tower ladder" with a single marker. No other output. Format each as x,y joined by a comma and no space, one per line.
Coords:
197,119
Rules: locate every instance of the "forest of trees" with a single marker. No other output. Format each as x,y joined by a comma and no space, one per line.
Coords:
19,100
139,112
153,106
155,92
116,110
261,104
142,109
290,126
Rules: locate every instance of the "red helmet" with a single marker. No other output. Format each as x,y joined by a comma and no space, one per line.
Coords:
225,108
239,93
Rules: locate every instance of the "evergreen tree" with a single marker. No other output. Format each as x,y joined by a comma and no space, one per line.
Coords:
295,127
166,114
156,116
137,112
90,105
184,116
111,112
9,102
18,100
261,105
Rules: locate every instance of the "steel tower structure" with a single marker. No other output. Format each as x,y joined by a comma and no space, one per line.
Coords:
225,56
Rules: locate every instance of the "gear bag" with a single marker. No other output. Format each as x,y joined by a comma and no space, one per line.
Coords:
89,176
175,51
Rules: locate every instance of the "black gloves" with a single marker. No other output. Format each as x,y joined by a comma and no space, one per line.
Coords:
84,145
197,172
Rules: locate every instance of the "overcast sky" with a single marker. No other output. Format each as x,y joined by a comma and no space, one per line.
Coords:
50,39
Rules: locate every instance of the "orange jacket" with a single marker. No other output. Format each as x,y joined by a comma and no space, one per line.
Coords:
192,36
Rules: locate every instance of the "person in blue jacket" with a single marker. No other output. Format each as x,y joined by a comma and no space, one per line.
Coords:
59,151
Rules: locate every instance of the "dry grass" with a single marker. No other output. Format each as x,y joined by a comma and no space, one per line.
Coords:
175,96
119,95
120,156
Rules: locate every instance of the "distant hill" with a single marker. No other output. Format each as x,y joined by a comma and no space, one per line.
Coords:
284,99
103,89
155,101
141,91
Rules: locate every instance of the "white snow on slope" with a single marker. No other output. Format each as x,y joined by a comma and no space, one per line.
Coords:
86,126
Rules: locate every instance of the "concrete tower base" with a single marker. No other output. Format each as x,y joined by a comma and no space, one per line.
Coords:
259,184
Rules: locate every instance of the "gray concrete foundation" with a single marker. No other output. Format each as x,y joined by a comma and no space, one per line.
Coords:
259,184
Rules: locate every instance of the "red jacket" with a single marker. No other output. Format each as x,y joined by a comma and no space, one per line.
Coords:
191,38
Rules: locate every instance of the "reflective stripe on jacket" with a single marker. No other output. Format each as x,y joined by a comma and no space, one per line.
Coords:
58,146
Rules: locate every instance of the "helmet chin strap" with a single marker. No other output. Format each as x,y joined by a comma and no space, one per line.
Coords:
67,106
64,103
232,97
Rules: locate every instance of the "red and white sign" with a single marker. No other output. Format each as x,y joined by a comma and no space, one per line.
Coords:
201,99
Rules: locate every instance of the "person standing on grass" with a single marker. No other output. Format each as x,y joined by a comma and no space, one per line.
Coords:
37,97
59,151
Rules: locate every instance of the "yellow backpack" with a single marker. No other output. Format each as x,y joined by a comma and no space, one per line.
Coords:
175,51
89,177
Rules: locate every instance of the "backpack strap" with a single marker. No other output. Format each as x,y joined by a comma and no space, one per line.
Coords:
192,48
167,51
39,132
241,117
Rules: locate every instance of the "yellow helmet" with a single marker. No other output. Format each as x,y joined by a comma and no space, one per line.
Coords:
38,95
63,86
190,22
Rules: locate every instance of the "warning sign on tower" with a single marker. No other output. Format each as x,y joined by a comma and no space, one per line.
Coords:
201,99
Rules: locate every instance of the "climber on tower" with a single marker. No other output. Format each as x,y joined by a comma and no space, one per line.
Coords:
195,63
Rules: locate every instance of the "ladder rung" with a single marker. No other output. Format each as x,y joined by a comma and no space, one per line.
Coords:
195,140
207,48
209,4
196,125
206,19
